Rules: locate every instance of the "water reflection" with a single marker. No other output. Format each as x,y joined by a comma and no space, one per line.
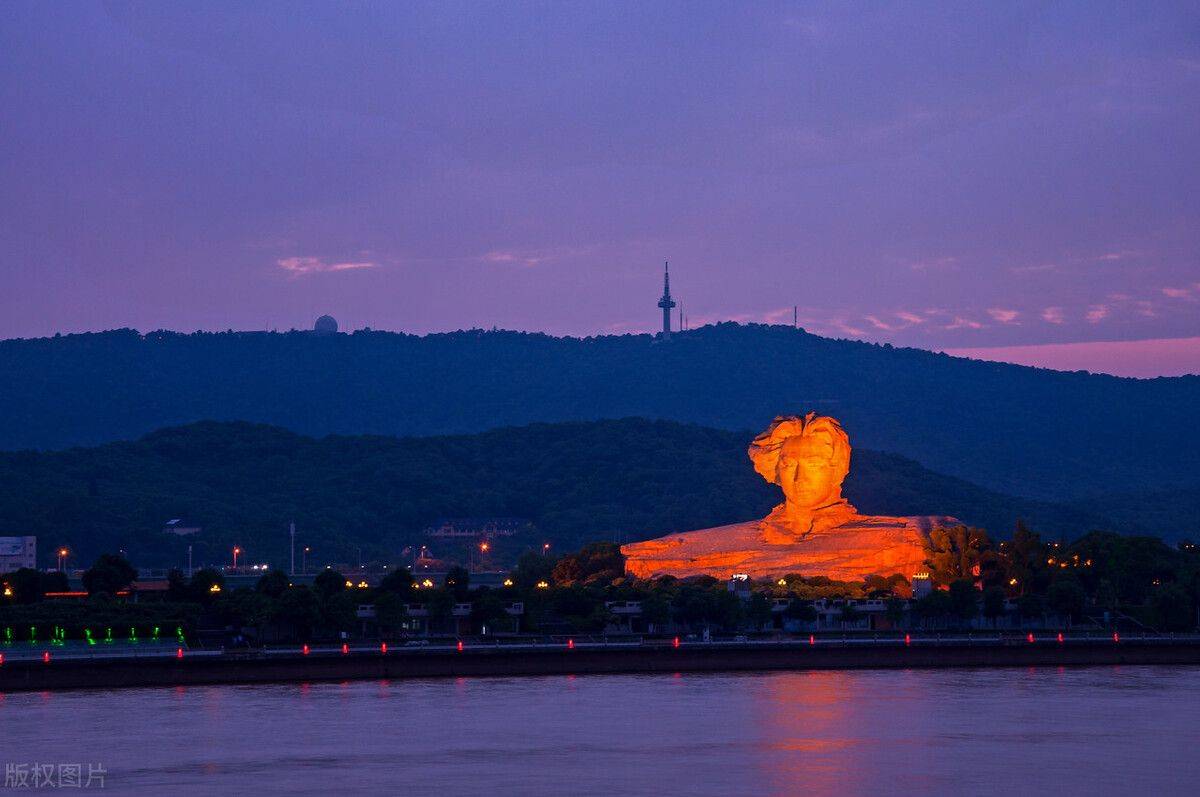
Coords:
956,731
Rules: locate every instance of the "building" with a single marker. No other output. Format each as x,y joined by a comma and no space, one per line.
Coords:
17,552
180,527
666,303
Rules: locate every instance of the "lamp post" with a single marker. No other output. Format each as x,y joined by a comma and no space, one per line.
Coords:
62,558
304,560
236,551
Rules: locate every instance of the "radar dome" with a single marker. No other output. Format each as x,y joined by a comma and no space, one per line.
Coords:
326,325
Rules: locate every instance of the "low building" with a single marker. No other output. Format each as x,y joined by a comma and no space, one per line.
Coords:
17,552
180,528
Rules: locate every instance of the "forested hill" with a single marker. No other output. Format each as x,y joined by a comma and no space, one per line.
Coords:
1025,431
576,482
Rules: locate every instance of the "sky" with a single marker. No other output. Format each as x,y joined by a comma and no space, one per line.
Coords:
1014,180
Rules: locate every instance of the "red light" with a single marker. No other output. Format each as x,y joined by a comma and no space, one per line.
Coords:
1116,637
907,639
383,647
1,658
1060,637
345,648
675,643
570,644
812,640
46,657
179,653
1030,638
460,646
304,650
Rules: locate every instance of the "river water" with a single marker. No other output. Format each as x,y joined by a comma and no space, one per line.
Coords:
1100,730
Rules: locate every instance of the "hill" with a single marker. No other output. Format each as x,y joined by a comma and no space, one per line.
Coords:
1024,431
577,482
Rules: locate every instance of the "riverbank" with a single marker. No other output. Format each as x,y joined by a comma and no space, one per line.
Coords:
204,667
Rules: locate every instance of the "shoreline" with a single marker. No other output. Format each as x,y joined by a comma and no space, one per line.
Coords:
197,668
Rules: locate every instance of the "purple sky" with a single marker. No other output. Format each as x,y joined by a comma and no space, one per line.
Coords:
946,176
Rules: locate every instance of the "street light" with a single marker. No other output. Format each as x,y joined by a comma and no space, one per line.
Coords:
304,560
236,551
62,558
545,548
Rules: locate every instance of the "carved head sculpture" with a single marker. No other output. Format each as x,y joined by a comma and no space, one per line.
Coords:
808,457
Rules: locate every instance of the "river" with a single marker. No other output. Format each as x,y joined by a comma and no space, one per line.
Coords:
1098,730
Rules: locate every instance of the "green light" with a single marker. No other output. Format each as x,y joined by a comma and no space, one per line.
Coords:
108,635
155,633
8,633
87,634
33,633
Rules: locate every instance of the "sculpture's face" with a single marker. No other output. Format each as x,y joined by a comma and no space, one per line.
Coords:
809,472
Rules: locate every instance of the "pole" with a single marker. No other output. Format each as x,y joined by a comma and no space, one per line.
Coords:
292,527
189,561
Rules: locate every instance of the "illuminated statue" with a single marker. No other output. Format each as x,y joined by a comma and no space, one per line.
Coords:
814,532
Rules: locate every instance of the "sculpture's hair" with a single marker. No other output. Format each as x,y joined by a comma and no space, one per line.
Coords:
765,449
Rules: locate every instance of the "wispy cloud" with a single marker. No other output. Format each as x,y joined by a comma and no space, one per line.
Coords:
1053,315
298,266
1122,254
1178,293
505,257
1033,269
963,323
1003,315
1096,313
910,317
934,264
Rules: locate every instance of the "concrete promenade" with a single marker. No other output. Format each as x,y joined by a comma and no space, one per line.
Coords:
190,667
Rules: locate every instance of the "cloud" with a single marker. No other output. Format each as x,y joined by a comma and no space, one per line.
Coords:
1052,315
1033,269
963,323
298,266
1177,293
911,318
1004,316
1120,255
505,257
1097,313
878,324
934,264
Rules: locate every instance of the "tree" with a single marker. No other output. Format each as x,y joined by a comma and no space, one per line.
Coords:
1066,598
567,571
955,553
203,581
1030,607
458,581
273,583
110,574
1173,608
935,607
964,600
759,610
390,612
298,611
328,583
532,568
849,614
26,584
801,610
399,581
894,611
993,604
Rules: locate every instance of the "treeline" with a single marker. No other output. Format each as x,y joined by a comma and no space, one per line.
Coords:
1024,431
621,480
1104,580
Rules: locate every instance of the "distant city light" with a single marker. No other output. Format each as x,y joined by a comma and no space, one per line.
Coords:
542,585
